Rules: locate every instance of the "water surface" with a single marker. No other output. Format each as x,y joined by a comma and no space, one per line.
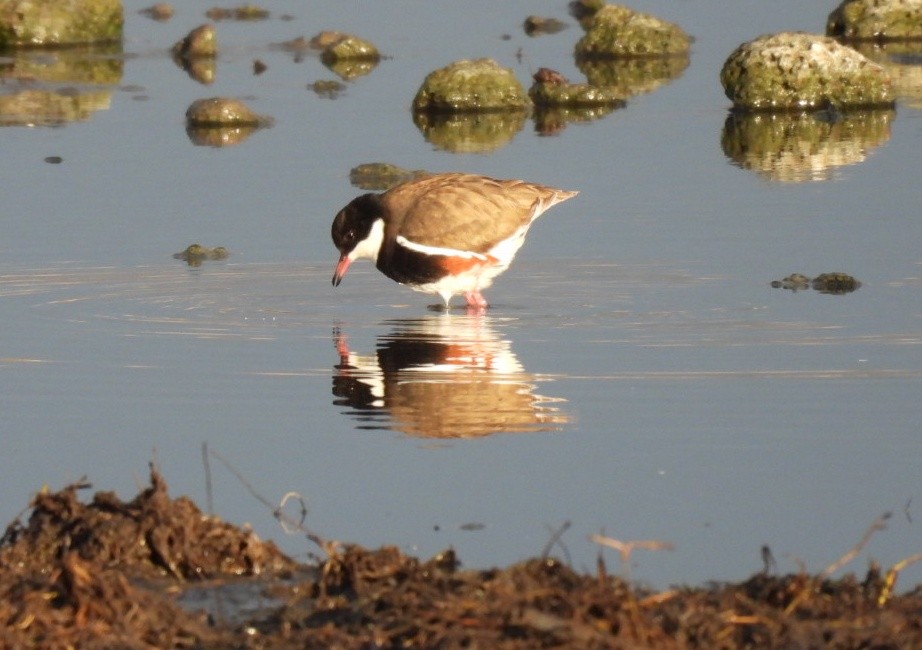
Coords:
636,374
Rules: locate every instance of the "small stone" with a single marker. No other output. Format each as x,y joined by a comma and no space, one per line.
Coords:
161,11
538,25
201,42
350,48
222,111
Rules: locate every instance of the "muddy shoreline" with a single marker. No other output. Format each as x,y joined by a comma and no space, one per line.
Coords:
157,572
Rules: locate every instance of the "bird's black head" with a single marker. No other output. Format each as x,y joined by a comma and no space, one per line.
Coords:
353,223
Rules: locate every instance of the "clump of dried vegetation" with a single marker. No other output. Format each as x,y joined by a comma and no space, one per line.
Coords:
110,573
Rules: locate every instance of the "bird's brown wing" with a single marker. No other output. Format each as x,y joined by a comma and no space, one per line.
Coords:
465,211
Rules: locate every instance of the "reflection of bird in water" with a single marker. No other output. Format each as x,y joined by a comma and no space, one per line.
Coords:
446,234
442,377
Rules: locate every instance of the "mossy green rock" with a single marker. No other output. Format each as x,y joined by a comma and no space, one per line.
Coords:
471,85
350,48
617,31
798,71
572,95
223,111
55,23
876,20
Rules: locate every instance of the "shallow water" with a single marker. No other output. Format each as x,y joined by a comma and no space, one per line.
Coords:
635,375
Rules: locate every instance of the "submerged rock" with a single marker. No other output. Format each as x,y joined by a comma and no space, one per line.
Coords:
538,25
195,254
471,86
829,283
161,11
877,20
798,71
835,283
328,88
550,88
793,282
617,31
53,23
245,12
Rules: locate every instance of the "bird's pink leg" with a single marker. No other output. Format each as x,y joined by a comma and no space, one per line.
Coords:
475,299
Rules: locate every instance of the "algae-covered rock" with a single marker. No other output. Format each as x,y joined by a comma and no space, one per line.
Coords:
201,42
794,282
584,10
349,47
799,147
196,54
223,111
53,23
346,55
835,283
469,132
222,122
633,76
538,25
327,88
550,88
617,31
877,20
195,254
798,71
471,86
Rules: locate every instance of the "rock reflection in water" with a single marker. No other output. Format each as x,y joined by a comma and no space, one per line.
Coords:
799,147
54,87
442,376
903,62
